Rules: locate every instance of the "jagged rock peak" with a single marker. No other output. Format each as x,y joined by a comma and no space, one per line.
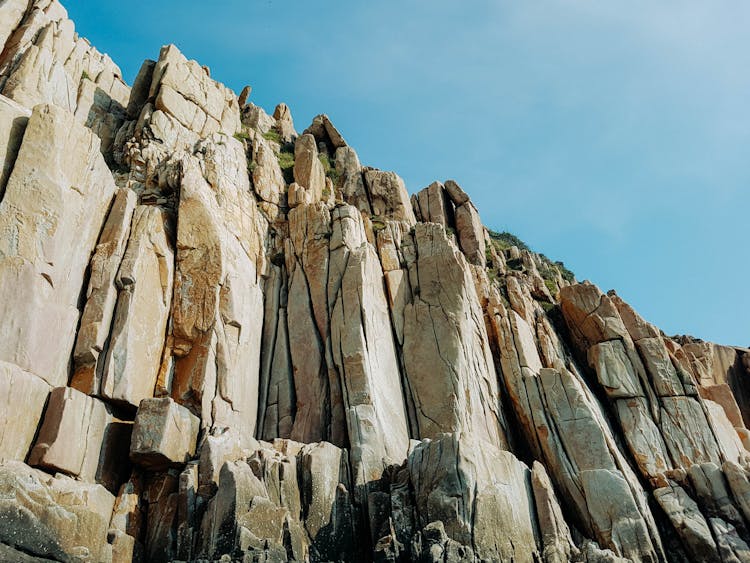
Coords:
223,340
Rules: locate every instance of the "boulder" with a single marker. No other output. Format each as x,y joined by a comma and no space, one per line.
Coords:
164,434
53,517
81,438
308,170
22,399
481,495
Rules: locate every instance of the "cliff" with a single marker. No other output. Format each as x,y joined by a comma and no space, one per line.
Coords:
224,340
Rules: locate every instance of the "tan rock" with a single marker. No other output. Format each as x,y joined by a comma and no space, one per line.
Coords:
556,541
711,491
726,436
459,392
432,206
591,316
325,132
164,434
614,370
284,123
388,196
81,438
256,118
660,368
128,520
22,399
686,432
351,182
13,12
96,320
643,437
316,382
324,486
722,395
308,170
456,194
217,300
54,205
144,300
739,483
277,378
481,494
238,486
13,120
687,519
184,90
363,350
268,180
53,516
622,522
471,234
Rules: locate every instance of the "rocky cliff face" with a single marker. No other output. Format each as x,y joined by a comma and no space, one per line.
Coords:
226,340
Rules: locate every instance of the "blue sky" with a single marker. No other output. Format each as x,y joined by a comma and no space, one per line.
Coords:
616,140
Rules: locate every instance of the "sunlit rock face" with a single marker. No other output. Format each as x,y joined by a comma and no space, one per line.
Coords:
224,340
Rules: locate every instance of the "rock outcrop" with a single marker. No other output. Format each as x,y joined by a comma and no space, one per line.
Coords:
224,340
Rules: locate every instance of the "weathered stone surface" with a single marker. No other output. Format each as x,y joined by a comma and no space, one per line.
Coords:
53,518
307,261
722,395
388,196
22,396
284,123
457,195
96,322
447,356
351,182
614,370
13,120
217,300
128,520
50,217
432,206
556,541
80,437
284,496
45,61
688,521
324,493
481,494
143,305
308,170
325,132
363,350
335,311
185,91
164,434
471,234
268,180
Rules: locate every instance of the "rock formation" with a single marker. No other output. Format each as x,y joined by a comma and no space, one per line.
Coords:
224,340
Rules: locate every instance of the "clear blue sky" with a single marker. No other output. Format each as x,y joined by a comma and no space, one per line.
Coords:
616,140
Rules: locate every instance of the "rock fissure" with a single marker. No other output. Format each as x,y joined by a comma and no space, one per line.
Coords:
205,359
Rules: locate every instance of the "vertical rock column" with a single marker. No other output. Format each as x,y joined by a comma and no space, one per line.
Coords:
446,351
678,440
565,429
54,204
